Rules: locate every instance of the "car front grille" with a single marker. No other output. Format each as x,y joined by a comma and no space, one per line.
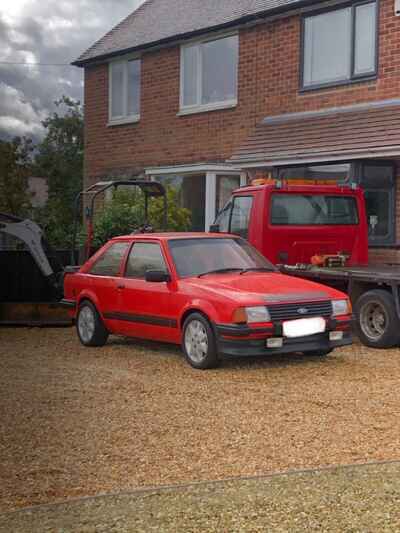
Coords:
281,312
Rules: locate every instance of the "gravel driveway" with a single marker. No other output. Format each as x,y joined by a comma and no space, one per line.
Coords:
78,421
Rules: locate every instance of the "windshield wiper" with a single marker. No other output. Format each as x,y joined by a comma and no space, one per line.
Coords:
220,271
257,269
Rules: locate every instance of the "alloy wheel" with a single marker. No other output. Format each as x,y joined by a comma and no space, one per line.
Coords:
196,341
86,324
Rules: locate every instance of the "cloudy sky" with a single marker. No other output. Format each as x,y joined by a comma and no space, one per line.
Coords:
49,32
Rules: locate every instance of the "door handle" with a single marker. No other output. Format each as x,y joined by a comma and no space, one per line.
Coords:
120,286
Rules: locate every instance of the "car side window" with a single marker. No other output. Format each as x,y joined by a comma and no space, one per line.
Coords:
224,217
109,264
144,256
241,215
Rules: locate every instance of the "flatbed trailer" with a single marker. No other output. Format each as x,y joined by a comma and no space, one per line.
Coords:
374,293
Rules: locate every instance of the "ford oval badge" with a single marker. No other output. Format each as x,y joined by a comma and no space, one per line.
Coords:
302,311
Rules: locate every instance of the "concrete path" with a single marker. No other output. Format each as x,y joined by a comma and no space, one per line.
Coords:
346,499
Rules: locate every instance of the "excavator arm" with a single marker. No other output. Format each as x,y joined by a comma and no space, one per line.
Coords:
36,313
31,234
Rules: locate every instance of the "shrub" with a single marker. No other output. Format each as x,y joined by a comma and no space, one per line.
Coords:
124,213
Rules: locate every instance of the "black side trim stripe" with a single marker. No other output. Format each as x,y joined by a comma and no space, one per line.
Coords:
143,319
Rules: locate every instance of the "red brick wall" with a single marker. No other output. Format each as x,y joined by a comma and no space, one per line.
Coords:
268,85
379,256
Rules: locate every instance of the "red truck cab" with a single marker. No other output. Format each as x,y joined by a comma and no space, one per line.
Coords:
297,224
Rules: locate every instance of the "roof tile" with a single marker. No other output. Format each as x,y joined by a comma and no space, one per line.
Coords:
334,134
158,20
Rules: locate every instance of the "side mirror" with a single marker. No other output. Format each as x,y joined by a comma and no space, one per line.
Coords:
214,228
157,276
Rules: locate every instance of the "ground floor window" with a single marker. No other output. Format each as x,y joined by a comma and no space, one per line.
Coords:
338,172
202,189
191,194
225,186
378,181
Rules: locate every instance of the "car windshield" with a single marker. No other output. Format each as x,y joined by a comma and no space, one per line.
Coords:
200,256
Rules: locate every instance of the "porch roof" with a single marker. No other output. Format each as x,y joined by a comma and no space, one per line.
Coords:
336,134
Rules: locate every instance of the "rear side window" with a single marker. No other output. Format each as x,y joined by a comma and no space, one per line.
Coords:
109,264
313,210
144,256
241,215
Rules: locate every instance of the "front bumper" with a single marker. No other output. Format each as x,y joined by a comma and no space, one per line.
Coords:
239,341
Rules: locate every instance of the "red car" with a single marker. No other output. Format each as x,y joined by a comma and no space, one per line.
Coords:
214,294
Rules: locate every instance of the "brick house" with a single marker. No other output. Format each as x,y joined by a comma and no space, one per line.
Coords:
205,95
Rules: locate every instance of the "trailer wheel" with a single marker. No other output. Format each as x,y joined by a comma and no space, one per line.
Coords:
89,326
377,320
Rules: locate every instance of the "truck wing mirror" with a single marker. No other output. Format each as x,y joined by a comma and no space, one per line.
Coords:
157,276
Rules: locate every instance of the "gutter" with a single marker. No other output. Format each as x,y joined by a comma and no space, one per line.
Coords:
247,19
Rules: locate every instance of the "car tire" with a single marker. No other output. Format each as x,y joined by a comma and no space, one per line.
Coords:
319,353
198,342
377,320
89,326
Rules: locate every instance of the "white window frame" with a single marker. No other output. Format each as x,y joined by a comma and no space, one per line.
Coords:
211,172
199,107
125,118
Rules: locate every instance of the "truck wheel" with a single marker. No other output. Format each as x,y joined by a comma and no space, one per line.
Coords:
377,320
89,326
198,342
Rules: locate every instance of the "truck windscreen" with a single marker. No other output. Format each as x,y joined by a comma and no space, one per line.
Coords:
313,210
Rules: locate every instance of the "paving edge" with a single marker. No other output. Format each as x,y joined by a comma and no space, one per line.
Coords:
194,484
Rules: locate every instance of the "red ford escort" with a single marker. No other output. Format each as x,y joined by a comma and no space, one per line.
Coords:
212,293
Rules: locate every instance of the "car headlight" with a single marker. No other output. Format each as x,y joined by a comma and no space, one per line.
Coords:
257,314
341,307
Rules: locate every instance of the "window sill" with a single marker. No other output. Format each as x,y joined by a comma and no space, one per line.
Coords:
122,121
332,85
229,104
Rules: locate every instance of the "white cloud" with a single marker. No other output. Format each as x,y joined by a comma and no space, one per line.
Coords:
47,31
12,9
17,116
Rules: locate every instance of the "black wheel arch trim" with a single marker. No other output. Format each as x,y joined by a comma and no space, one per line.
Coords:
69,304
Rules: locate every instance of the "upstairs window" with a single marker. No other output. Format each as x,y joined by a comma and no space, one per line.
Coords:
125,79
209,72
340,46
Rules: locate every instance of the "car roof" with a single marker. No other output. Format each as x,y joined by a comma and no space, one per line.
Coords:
173,236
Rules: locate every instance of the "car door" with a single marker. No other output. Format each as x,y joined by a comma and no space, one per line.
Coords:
149,309
103,280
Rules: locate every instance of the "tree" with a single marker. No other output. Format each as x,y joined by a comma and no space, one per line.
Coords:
15,168
59,158
125,212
